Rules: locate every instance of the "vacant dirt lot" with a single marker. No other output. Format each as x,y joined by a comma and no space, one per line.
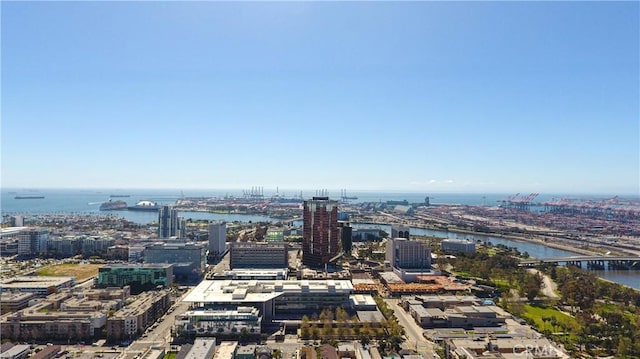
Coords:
80,271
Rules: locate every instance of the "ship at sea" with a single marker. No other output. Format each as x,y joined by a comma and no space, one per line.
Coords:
119,195
113,206
28,197
145,206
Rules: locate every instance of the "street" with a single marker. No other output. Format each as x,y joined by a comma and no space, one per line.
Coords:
413,332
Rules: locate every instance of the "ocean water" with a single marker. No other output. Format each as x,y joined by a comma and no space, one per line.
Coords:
89,200
70,201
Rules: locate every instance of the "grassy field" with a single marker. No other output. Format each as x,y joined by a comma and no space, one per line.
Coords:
80,271
536,314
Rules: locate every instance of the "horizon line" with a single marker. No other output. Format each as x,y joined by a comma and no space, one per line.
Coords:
368,190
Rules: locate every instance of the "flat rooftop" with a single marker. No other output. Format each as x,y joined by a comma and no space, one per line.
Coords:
34,282
257,291
225,350
201,348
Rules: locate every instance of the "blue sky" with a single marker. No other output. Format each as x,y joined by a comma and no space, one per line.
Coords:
415,96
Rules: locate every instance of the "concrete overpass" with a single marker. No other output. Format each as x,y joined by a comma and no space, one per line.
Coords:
592,262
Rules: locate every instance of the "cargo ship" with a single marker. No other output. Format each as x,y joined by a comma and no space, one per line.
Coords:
28,197
145,206
119,195
113,206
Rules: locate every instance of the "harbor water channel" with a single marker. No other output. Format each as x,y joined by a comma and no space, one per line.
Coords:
630,278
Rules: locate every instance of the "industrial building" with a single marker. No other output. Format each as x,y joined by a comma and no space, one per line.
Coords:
258,255
320,235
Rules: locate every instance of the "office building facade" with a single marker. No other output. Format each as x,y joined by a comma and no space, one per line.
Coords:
188,259
167,222
32,242
258,255
217,239
451,246
273,298
320,234
407,254
139,276
182,228
346,233
92,246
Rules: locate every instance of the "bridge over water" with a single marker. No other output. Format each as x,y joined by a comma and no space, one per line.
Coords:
591,262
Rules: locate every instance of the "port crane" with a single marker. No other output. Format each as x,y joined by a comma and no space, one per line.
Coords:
522,203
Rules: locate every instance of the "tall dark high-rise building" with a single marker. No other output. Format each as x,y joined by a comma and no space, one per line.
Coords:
346,232
167,222
320,234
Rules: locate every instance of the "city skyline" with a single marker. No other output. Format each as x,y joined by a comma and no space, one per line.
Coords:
486,97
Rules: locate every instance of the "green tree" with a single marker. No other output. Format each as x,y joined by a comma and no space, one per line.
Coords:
531,285
315,332
327,328
395,341
364,339
244,334
305,328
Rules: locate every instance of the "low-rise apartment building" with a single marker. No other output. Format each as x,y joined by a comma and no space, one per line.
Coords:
64,316
136,317
10,302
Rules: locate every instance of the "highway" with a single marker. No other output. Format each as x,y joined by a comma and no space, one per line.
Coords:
581,259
